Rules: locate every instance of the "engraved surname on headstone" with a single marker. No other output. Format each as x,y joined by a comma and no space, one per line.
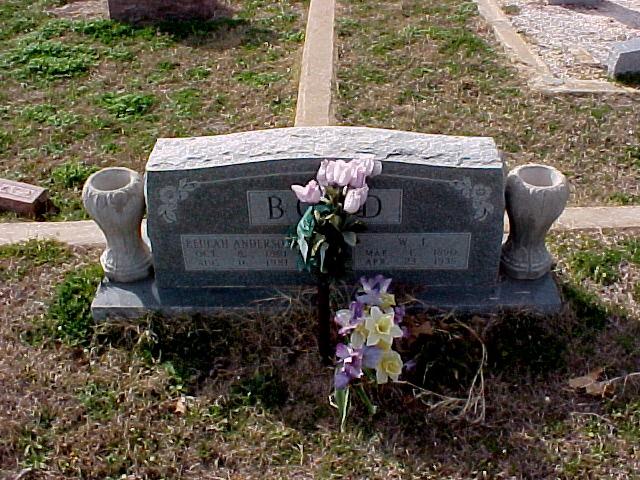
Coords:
412,251
281,207
237,252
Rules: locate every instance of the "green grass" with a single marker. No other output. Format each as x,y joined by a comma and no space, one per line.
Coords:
70,311
17,259
48,114
126,106
601,263
100,92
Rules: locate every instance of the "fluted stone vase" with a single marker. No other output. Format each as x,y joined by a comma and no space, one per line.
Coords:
114,197
536,195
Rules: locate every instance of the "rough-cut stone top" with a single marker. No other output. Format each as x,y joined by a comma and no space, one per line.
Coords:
323,142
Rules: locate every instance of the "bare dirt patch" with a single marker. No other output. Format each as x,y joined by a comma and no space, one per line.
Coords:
82,9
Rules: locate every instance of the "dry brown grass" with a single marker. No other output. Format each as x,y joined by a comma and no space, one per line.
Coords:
435,67
245,396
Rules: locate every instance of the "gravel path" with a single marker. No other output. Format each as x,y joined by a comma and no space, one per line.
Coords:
574,41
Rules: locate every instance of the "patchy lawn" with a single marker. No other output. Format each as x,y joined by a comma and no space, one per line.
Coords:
435,67
78,95
244,396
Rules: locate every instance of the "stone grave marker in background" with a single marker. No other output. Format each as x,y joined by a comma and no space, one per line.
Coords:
135,11
22,198
219,208
624,58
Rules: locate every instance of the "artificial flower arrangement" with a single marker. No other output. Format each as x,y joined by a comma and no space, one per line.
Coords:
368,327
329,227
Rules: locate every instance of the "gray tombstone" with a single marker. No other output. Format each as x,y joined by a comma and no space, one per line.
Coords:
219,209
576,3
136,11
624,58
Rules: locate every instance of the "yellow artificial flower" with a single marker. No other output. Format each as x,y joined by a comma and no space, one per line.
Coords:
381,327
359,336
389,366
387,300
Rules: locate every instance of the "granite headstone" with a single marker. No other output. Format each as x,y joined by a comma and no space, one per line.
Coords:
219,207
218,210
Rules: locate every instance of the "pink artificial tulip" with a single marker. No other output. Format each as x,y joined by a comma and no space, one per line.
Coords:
377,168
355,199
310,193
373,167
321,176
342,173
331,165
359,175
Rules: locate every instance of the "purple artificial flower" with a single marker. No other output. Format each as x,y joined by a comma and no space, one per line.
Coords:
371,356
398,314
310,193
341,379
373,289
349,319
359,175
321,176
410,365
371,167
342,173
349,366
357,309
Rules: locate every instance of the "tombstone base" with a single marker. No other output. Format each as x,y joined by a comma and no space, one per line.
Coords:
133,300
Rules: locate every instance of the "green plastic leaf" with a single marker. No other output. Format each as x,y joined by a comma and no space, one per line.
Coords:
371,408
304,248
323,208
306,224
350,238
342,403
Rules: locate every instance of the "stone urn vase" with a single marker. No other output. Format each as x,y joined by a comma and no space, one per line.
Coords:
114,197
535,197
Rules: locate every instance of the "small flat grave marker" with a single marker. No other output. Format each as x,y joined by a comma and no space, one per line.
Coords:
22,198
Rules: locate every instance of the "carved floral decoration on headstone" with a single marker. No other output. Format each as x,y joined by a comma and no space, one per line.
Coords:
479,195
169,197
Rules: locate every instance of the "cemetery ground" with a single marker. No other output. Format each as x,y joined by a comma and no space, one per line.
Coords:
245,396
79,95
435,67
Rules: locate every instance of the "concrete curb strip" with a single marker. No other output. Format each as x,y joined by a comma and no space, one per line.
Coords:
317,74
87,232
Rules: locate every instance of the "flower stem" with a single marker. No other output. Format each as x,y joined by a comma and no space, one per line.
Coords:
371,408
324,321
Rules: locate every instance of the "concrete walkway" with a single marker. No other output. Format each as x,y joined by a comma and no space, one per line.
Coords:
87,232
